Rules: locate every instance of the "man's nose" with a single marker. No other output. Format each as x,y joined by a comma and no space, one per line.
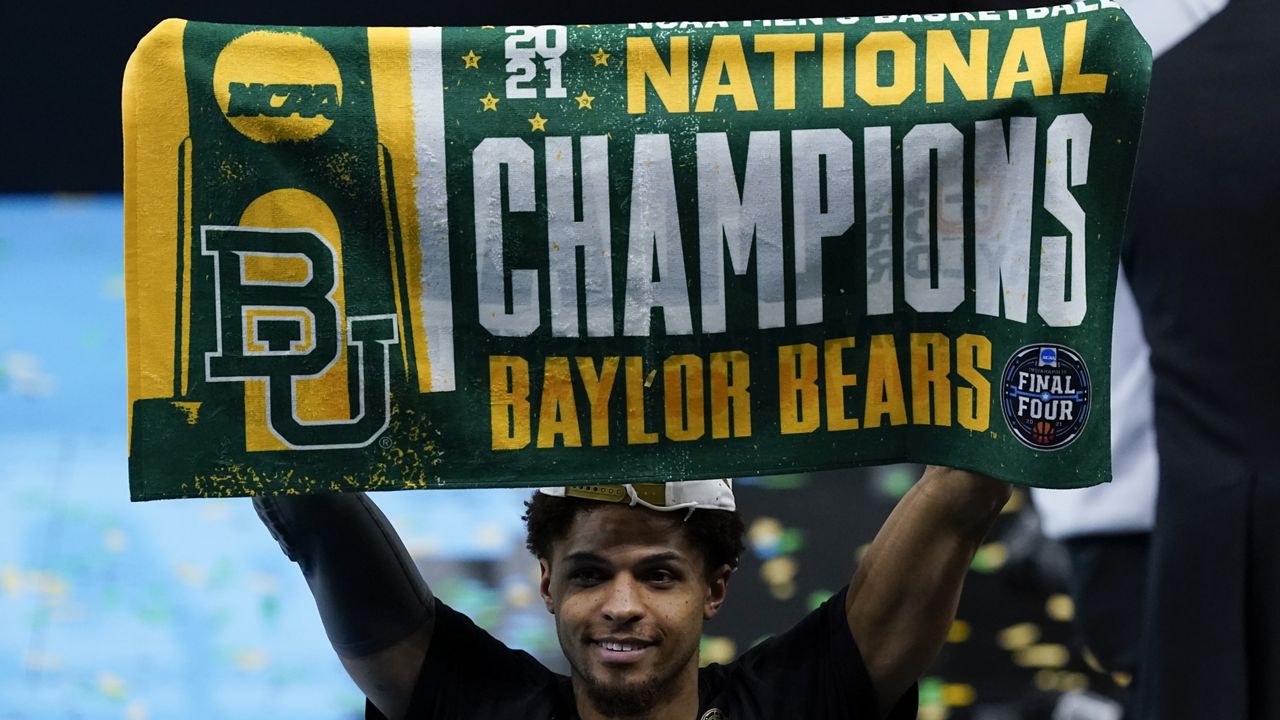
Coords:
623,603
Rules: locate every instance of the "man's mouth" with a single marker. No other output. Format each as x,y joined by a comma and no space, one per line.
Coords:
611,650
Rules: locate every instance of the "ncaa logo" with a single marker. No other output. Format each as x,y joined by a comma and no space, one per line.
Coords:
279,320
1045,393
294,99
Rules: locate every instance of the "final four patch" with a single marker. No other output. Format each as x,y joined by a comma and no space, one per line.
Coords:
1046,396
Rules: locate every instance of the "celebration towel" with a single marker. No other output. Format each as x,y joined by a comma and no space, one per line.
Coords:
386,258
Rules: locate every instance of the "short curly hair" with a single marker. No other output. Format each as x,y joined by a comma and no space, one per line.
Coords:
717,534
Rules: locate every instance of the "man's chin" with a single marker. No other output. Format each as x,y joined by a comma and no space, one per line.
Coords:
623,697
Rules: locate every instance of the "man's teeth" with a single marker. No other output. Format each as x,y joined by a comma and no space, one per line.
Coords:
620,647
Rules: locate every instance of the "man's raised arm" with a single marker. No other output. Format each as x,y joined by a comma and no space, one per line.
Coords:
377,610
903,597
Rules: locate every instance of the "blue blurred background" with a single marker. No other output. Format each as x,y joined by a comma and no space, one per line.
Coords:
183,609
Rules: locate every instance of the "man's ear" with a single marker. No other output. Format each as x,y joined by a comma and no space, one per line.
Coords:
717,589
544,584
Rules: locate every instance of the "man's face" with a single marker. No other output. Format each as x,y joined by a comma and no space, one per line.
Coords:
630,595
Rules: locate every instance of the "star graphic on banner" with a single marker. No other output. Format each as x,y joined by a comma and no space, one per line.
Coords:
538,122
490,102
471,60
600,56
584,101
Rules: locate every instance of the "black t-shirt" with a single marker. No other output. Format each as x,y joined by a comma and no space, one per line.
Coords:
811,672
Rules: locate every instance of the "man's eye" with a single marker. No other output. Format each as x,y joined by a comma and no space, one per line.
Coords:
586,576
662,576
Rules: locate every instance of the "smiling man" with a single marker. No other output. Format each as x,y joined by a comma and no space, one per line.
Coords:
631,573
630,590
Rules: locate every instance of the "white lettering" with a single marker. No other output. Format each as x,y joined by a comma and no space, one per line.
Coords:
566,235
655,239
818,214
724,218
1067,134
1004,178
491,285
933,211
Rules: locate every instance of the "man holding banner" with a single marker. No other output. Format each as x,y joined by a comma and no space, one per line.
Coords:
624,254
631,573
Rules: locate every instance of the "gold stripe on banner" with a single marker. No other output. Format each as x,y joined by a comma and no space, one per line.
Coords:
152,182
393,109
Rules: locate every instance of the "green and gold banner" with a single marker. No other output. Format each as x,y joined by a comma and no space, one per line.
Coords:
386,258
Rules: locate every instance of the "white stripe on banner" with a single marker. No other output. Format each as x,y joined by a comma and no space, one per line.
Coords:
427,82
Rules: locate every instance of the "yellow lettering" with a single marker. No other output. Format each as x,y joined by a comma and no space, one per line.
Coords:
1072,58
1026,47
833,70
884,384
784,48
636,432
867,67
509,401
599,387
798,388
730,398
836,381
726,58
670,83
930,365
682,386
942,55
559,412
973,406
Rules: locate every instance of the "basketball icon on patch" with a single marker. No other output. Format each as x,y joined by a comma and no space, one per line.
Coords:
1045,392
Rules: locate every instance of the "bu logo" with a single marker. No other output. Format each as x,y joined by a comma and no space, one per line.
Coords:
284,326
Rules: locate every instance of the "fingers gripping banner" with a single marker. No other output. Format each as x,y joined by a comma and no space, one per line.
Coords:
384,258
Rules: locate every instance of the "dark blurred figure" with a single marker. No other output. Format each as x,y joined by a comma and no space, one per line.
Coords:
1203,262
1105,530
